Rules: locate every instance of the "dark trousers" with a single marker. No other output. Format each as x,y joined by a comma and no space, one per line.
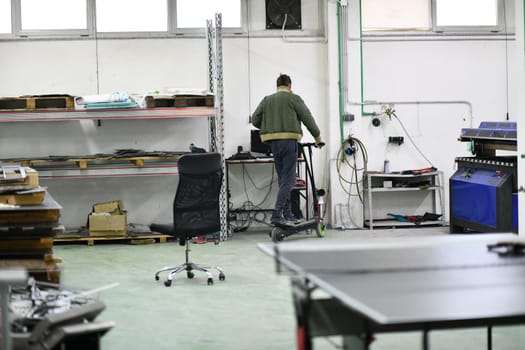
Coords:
285,158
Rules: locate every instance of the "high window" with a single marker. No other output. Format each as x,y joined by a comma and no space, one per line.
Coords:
395,15
194,13
467,15
51,16
433,15
132,16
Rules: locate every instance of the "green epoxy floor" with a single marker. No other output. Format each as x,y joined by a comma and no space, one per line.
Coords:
251,310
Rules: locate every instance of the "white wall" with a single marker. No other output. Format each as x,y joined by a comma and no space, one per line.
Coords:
432,71
403,70
470,73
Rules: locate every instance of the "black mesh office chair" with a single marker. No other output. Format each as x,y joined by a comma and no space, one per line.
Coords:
195,209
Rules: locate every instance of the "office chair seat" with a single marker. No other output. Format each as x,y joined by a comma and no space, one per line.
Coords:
196,210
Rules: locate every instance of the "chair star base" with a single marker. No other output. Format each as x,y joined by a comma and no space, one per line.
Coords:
189,267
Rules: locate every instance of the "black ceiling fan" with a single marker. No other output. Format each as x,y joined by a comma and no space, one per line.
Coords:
283,12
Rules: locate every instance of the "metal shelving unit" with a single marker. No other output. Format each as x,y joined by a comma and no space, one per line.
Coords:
116,170
117,167
132,113
417,186
155,167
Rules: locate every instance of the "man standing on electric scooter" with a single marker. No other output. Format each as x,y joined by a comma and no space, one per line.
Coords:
279,116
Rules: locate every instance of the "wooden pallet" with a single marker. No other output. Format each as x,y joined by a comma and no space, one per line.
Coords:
30,198
131,239
45,271
29,216
30,103
22,245
46,213
33,230
180,101
26,255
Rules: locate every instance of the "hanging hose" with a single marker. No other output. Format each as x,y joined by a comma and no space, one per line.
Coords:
348,150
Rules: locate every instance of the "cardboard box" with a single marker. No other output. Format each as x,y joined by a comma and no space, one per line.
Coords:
107,225
112,207
108,219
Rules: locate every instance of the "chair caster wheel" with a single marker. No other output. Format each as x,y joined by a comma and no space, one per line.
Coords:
156,277
167,283
190,274
222,277
210,281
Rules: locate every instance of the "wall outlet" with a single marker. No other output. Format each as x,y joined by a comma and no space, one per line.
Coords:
349,117
396,139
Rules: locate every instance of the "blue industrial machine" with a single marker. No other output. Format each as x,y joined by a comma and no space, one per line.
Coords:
483,188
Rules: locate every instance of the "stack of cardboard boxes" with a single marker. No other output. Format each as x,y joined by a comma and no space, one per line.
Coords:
29,219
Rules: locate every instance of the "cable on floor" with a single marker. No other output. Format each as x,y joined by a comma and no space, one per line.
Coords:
249,212
246,174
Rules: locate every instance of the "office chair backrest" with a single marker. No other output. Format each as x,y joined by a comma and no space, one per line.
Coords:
196,205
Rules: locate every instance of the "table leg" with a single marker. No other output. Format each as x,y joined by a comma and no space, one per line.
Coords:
301,295
304,341
489,338
8,278
6,335
425,340
355,342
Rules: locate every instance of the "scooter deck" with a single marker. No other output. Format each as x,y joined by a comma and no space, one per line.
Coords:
304,225
282,231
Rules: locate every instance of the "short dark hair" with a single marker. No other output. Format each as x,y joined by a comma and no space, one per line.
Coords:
284,80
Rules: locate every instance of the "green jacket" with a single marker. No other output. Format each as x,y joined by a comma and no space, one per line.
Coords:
279,116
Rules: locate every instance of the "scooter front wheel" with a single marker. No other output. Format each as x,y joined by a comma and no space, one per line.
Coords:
319,230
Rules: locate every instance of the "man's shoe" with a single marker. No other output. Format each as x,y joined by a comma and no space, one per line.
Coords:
292,218
282,222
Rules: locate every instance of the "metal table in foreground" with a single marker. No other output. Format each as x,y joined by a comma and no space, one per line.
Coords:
403,284
8,278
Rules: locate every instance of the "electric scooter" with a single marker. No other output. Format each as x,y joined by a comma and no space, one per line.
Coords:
280,232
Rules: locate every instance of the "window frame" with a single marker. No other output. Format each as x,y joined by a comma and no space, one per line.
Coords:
401,29
132,33
16,18
90,32
499,27
174,31
9,34
172,22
